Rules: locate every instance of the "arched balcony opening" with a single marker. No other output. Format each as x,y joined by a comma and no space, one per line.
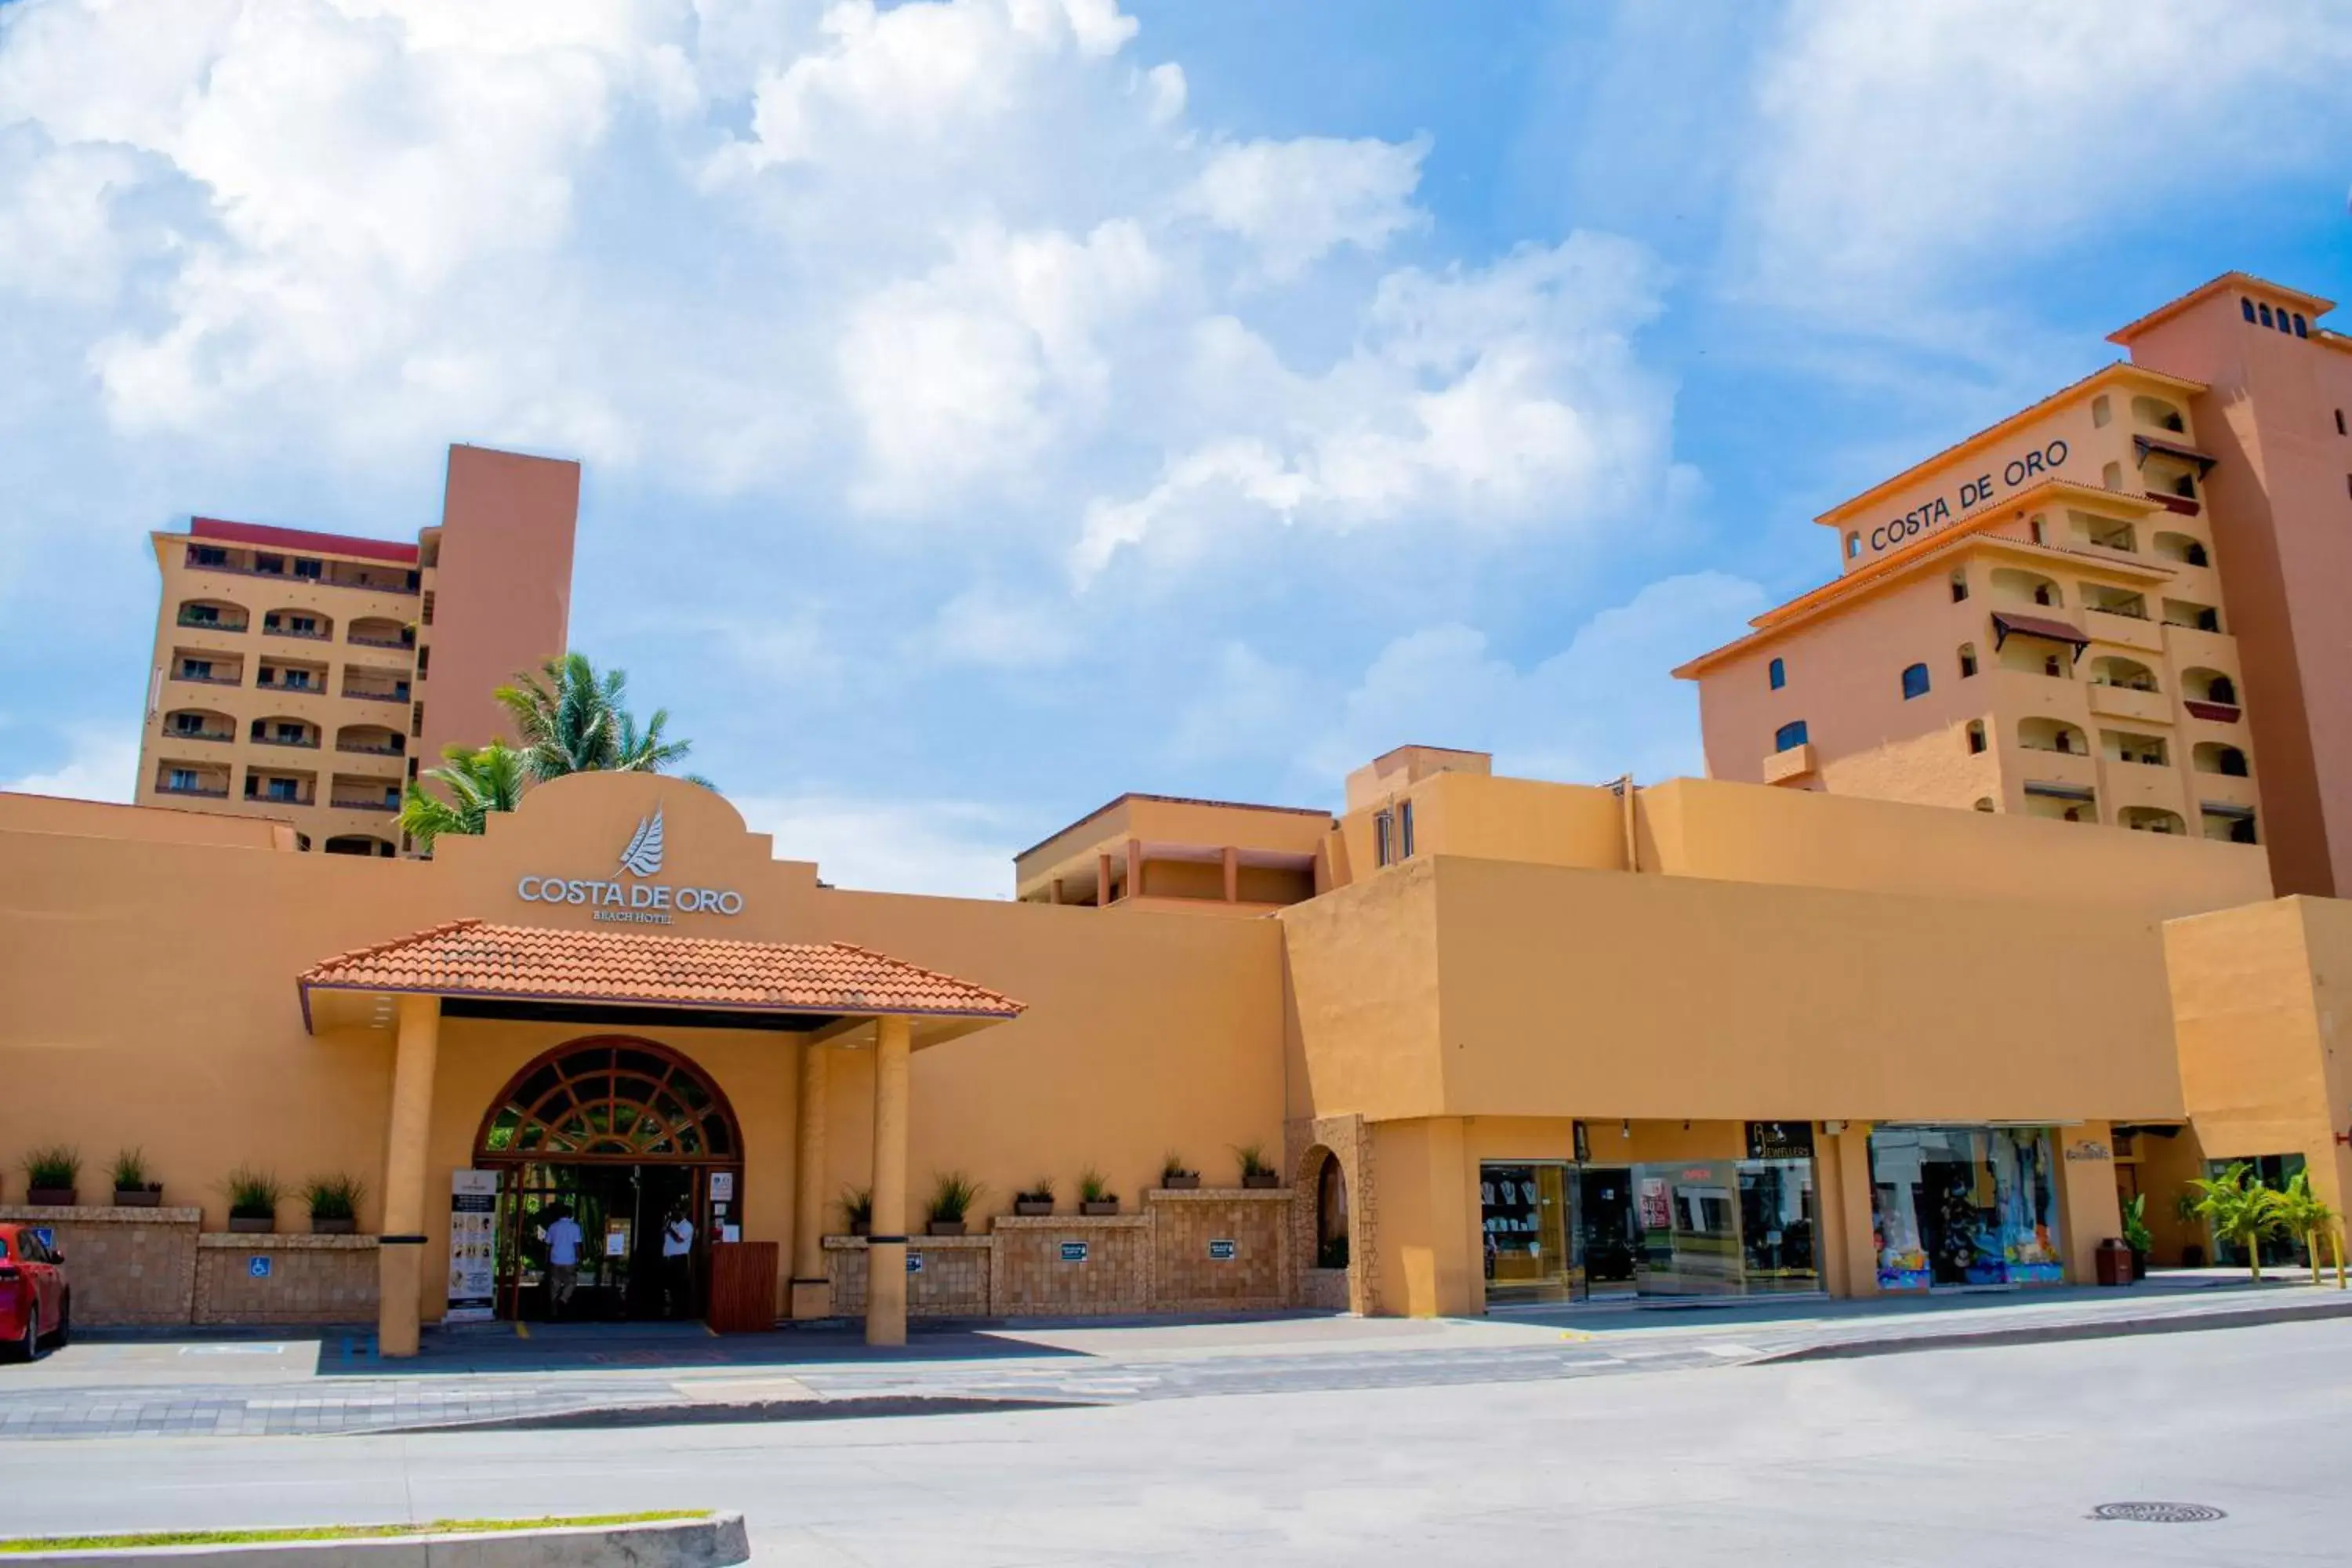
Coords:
2026,587
2157,414
2152,819
360,844
212,616
285,730
2113,670
308,625
2044,734
376,631
2185,549
2214,757
371,741
2123,746
198,724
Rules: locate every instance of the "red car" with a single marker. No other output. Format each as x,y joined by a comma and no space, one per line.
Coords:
35,1299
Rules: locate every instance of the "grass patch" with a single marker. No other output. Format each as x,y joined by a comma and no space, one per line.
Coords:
331,1532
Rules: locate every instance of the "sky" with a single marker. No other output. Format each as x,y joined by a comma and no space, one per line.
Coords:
989,406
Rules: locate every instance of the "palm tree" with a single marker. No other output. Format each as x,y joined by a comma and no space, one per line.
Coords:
571,719
478,782
2241,1213
2303,1213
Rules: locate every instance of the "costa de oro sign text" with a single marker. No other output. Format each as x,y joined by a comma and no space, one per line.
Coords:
636,903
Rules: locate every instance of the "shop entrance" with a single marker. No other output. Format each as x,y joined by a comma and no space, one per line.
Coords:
623,1136
1605,1228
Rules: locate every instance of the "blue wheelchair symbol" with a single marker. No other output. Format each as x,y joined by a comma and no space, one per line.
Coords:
257,1267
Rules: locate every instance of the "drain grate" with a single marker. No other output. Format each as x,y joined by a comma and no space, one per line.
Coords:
2158,1513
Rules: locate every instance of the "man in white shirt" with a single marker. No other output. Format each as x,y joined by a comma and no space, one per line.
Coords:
677,1272
564,1240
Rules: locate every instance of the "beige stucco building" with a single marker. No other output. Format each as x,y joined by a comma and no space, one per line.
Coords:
303,677
2114,606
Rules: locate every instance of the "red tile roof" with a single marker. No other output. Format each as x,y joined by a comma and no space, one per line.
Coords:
471,958
273,538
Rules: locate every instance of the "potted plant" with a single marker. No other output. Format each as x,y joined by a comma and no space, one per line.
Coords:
50,1176
2303,1213
1037,1200
133,1190
952,1198
1095,1196
1175,1176
1256,1172
857,1209
334,1204
2136,1234
2241,1214
252,1202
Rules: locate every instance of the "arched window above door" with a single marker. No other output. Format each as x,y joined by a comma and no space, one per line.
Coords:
611,1096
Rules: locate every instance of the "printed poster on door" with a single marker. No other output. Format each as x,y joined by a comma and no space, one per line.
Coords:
473,1227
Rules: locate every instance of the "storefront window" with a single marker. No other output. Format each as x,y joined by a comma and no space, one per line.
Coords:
1964,1206
1524,1209
1712,1228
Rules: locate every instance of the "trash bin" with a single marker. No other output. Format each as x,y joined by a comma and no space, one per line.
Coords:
2115,1262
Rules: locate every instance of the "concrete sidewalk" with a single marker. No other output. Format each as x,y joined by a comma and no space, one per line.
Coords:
139,1384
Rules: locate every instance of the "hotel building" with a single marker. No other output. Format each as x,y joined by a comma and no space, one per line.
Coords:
292,668
2119,606
1471,1041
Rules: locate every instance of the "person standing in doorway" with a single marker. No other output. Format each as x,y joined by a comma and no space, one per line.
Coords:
563,1238
677,1265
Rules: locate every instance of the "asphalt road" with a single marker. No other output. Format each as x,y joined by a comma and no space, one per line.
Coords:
1974,1455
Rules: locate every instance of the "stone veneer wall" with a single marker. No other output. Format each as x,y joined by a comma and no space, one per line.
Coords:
953,1282
126,1265
1156,1261
312,1279
1304,1142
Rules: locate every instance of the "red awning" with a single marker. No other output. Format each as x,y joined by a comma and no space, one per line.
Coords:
2219,713
2005,625
2143,445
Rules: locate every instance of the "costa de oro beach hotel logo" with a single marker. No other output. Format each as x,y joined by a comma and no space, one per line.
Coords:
638,901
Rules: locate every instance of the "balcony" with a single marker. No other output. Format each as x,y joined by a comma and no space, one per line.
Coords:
308,743
2187,506
374,694
205,618
361,639
2214,712
2124,702
197,791
1795,762
354,802
270,629
261,791
2124,629
207,676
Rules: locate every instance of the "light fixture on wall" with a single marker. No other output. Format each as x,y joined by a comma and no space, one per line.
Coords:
1625,1128
1833,1129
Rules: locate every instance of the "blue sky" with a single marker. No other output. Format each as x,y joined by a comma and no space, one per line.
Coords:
990,406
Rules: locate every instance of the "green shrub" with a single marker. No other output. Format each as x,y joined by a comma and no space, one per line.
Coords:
1253,1159
56,1166
857,1205
252,1194
952,1198
1093,1187
333,1197
130,1171
1040,1191
1173,1166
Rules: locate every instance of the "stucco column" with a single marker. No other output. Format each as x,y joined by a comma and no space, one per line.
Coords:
1102,880
1134,868
1854,1211
812,1291
400,1257
1233,858
885,1246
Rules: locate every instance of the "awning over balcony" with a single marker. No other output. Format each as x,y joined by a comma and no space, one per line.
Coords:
2227,812
2144,444
2005,625
2060,791
2218,712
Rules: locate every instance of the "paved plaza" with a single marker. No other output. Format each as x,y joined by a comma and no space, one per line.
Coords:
1996,1453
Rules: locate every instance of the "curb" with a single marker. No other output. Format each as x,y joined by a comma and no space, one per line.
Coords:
715,1540
2052,1333
612,1418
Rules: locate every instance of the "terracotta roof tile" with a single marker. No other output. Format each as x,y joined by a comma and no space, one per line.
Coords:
472,958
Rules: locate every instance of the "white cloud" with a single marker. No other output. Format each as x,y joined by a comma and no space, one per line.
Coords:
1295,201
1898,147
948,847
1602,706
1495,398
988,626
101,764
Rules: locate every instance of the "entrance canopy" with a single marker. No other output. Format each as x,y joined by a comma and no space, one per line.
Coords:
615,978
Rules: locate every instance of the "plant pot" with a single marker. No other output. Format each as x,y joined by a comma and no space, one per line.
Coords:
1098,1206
947,1227
1262,1181
1033,1208
138,1197
50,1197
2140,1266
251,1224
860,1227
332,1226
1190,1182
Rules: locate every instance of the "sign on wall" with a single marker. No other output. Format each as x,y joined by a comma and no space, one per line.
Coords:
2022,467
473,1226
1074,1252
1222,1252
638,900
1779,1140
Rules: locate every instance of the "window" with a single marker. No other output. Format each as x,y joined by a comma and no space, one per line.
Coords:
1915,681
2043,593
2265,312
1976,737
1404,831
289,734
2034,527
310,569
206,556
423,662
2221,690
1968,659
2050,664
188,723
2248,307
2100,412
1383,846
1852,545
2282,323
273,564
2301,330
1776,673
296,679
182,778
415,720
1788,736
281,789
2195,555
200,615
196,669
2339,423
1960,584
2111,476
